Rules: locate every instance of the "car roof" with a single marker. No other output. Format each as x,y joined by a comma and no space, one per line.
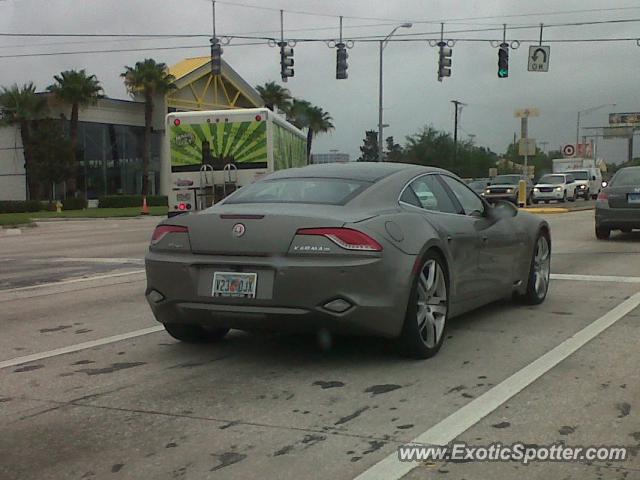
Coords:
363,171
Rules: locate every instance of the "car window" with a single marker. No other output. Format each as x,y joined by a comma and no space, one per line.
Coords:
626,177
506,180
553,179
432,195
470,202
409,197
329,191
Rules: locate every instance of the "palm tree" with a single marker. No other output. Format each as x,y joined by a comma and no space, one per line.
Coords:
148,79
21,106
275,96
314,119
77,89
319,122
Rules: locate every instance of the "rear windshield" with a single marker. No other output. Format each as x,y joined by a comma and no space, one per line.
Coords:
506,180
626,177
580,175
553,179
329,191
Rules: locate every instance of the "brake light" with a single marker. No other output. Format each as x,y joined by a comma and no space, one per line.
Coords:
162,230
603,196
346,238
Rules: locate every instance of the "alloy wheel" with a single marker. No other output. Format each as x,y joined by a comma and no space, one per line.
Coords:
431,311
541,267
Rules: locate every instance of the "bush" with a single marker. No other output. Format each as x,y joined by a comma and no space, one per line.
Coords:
21,206
122,201
74,204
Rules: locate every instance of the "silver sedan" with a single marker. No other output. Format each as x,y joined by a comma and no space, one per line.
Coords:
383,249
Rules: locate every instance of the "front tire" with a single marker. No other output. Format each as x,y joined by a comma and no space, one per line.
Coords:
194,333
425,321
539,272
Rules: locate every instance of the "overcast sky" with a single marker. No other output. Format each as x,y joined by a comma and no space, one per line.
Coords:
581,75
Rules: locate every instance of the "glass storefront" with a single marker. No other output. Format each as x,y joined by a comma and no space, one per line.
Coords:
110,159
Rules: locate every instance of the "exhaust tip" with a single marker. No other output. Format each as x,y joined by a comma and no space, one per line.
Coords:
339,305
155,296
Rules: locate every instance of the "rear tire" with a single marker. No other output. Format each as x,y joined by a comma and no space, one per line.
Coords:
427,311
539,272
603,233
587,196
194,333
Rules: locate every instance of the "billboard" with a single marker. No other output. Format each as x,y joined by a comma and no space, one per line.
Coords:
624,119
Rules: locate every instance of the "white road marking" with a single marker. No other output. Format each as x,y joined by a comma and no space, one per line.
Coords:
75,280
79,346
595,278
447,430
106,260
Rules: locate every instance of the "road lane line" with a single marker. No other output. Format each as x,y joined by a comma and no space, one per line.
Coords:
447,430
75,280
595,278
79,346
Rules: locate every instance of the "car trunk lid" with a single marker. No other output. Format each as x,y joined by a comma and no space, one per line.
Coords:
261,229
623,197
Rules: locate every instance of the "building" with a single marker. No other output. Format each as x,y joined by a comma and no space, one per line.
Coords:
331,157
110,133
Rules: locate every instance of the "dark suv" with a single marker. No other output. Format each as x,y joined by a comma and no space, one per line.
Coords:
505,187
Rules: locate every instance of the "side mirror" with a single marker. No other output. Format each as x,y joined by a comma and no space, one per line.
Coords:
502,209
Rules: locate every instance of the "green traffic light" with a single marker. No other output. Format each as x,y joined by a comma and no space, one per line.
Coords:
503,73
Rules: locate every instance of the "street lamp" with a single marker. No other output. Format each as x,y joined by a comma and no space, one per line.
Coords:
588,110
383,44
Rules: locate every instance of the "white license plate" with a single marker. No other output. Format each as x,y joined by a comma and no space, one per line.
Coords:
234,284
633,198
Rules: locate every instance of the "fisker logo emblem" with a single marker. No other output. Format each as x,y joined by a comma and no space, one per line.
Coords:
238,230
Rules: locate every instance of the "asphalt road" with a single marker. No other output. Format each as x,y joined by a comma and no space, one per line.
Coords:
127,401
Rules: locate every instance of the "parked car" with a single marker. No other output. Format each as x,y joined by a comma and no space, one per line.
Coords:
588,182
384,249
555,186
505,187
618,205
479,185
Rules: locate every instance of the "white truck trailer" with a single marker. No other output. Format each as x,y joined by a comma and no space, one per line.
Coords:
209,154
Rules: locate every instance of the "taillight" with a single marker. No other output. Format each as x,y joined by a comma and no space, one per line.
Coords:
162,230
603,196
346,238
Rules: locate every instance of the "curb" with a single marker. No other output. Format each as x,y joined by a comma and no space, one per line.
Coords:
86,219
546,210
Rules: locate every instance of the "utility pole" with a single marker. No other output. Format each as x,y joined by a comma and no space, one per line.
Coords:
457,105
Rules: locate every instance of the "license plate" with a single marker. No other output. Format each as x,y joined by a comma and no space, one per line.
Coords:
633,198
233,284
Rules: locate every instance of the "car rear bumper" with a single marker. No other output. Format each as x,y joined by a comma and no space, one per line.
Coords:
608,217
291,293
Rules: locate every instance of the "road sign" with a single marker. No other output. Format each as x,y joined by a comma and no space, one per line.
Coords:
539,58
569,150
527,112
527,146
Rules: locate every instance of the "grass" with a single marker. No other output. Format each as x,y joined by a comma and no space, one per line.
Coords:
11,219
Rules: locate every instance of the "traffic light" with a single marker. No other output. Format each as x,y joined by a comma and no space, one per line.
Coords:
444,61
503,60
341,61
216,57
286,61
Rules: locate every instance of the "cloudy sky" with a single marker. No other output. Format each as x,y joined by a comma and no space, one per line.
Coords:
582,75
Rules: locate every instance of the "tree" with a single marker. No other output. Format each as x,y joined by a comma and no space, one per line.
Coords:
51,152
313,119
147,79
394,151
21,106
369,149
77,89
275,96
319,122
